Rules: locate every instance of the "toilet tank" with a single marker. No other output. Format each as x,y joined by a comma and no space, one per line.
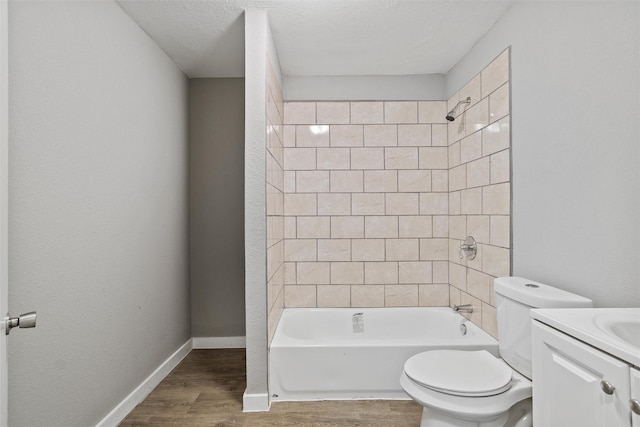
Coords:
515,296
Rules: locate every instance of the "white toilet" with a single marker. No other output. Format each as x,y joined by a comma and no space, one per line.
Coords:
474,388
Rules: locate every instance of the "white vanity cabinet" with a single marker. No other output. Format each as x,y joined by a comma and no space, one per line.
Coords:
575,384
635,395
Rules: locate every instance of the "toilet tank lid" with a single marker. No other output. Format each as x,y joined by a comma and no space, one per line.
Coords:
538,295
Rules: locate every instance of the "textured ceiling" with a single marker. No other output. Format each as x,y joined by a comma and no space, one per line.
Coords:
320,37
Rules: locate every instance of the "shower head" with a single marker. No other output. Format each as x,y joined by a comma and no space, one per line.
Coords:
451,115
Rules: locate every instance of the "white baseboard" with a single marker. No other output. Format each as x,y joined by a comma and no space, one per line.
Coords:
136,396
257,402
219,342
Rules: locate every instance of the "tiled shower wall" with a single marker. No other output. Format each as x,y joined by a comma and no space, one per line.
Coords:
275,199
379,195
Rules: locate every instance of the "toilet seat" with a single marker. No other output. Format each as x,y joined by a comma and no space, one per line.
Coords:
460,373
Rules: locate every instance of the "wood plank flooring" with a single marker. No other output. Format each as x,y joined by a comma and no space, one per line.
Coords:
206,390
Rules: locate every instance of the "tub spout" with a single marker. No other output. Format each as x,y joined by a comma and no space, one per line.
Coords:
464,308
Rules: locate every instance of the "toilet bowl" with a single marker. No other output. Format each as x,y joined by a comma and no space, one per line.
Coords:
467,388
475,388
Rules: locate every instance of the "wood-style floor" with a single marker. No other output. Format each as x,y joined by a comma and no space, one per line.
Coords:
206,390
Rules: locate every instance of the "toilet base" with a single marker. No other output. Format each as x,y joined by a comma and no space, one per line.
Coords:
519,415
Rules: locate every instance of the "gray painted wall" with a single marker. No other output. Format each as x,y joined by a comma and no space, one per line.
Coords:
98,220
575,129
216,179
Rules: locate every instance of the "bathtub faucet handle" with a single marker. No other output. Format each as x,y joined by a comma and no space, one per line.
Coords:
468,248
464,308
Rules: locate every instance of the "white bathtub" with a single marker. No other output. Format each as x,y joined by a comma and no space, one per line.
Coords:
319,354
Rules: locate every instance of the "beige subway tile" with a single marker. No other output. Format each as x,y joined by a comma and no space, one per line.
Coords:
312,227
471,201
434,249
299,159
471,147
434,203
334,250
458,276
440,226
367,204
472,90
299,296
440,271
300,204
496,137
415,226
496,261
440,180
495,74
312,273
401,112
332,113
289,273
380,135
478,172
367,112
289,181
402,250
453,152
458,178
479,285
381,226
415,272
334,296
347,227
500,167
477,117
383,181
289,136
312,181
433,158
312,136
457,129
290,227
415,180
346,135
367,158
403,203
499,103
401,295
439,135
500,231
433,295
401,158
432,111
454,203
299,113
300,250
496,199
332,158
458,227
380,273
367,249
346,181
347,273
489,320
367,296
478,227
414,135
334,204
453,101
454,296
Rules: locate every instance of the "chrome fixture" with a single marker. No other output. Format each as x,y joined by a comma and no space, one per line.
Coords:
464,308
26,320
468,248
451,115
607,387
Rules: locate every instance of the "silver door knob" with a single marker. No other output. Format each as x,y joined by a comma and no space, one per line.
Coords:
26,320
607,387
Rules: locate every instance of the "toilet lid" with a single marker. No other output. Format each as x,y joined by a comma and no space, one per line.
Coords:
461,373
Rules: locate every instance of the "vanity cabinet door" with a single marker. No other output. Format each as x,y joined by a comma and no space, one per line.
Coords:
635,394
575,384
